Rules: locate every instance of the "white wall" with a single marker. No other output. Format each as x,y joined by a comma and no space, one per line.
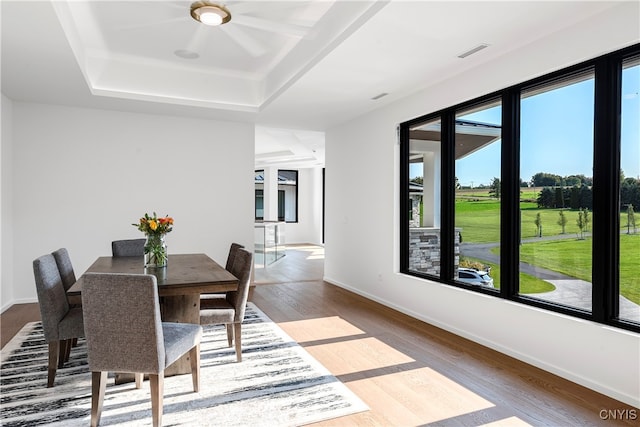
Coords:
362,250
81,177
6,216
308,229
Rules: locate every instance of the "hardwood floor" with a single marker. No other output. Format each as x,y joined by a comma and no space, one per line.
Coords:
409,373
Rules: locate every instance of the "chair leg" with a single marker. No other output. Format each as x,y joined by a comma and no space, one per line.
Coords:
67,350
237,332
62,352
194,357
229,333
74,342
139,377
98,387
157,389
54,352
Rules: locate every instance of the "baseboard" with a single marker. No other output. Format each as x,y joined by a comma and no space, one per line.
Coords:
8,305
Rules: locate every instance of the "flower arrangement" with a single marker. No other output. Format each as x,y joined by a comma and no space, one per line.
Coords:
155,249
154,225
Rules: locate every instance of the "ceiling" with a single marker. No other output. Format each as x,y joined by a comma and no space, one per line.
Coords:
295,68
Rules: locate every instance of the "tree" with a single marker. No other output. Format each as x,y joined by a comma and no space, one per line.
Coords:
631,220
630,192
562,221
416,180
543,179
494,186
457,184
545,198
558,198
583,222
538,223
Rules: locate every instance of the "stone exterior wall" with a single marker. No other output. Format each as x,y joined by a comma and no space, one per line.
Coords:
424,250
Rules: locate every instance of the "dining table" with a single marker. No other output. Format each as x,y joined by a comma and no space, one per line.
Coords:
180,284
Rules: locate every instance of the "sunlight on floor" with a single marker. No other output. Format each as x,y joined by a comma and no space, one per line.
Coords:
411,392
324,328
509,422
358,355
429,397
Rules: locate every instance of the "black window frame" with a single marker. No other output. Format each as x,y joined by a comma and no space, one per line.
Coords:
607,71
297,175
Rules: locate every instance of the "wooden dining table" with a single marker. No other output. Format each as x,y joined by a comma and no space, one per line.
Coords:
180,285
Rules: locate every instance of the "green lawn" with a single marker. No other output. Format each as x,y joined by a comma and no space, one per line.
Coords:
573,258
480,223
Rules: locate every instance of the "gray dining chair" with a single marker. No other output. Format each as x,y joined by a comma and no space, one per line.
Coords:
68,276
124,333
60,322
65,268
230,309
231,256
233,249
128,247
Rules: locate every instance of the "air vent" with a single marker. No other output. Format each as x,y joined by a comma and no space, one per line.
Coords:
474,50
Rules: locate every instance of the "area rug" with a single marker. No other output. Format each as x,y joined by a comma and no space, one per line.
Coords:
277,384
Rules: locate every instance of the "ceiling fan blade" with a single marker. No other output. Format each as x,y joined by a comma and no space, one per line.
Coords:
150,24
246,42
270,26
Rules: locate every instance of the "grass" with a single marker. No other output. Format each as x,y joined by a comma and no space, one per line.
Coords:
479,220
573,258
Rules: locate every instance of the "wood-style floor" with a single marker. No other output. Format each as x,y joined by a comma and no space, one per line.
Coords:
409,373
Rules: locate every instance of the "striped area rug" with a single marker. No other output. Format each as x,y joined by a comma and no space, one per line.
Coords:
277,384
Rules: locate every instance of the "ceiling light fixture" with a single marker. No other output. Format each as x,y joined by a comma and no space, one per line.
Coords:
210,13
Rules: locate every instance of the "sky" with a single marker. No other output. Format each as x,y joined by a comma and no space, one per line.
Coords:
556,134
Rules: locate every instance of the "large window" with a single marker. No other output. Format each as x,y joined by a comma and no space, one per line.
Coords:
478,193
629,291
530,193
556,159
423,202
287,193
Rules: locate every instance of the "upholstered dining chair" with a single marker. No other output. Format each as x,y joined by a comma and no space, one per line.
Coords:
230,309
233,248
60,322
68,276
124,333
128,247
65,268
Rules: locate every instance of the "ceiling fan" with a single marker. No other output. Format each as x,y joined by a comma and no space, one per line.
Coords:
235,17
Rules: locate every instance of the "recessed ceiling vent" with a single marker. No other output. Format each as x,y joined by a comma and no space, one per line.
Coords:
474,50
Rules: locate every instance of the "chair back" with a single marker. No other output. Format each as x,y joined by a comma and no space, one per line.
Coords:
122,323
232,255
241,268
129,247
52,297
65,267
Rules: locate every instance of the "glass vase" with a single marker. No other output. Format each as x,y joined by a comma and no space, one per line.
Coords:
155,251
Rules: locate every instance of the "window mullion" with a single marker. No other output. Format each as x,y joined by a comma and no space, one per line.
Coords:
606,192
447,186
510,206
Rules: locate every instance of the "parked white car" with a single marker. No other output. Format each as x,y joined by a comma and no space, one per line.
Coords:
475,277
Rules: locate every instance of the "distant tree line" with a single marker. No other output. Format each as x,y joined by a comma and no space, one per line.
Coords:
575,191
